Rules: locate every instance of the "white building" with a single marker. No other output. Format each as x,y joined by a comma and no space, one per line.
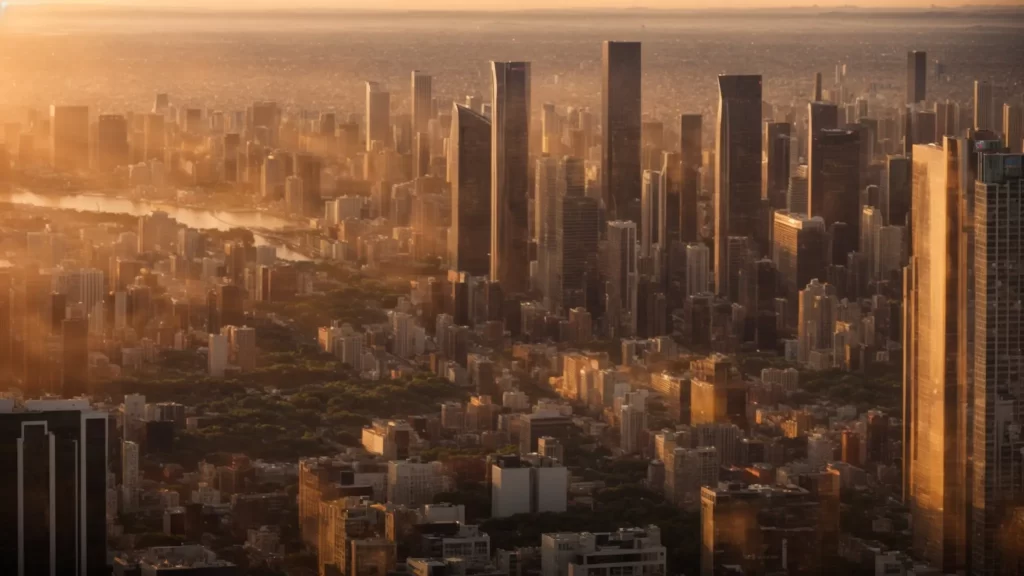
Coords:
415,483
626,552
134,407
528,484
217,356
129,476
633,422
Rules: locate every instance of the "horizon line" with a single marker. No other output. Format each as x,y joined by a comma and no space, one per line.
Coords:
169,6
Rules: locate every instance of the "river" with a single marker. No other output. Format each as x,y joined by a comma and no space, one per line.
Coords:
199,218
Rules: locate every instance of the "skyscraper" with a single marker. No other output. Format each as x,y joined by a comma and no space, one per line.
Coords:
896,197
775,165
947,119
53,489
154,137
422,101
578,232
111,142
738,170
1013,127
620,125
983,105
548,191
620,267
692,157
69,137
378,115
834,182
510,152
798,250
671,189
935,427
917,73
998,386
820,116
698,267
650,211
469,237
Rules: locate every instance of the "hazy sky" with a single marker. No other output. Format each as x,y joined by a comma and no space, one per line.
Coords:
516,4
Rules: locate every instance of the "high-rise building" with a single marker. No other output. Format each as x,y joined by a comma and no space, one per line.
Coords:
344,523
820,116
469,236
510,150
308,167
153,127
816,319
422,104
651,211
935,429
692,157
796,194
870,228
540,424
775,165
294,197
577,234
917,74
69,137
983,106
528,484
111,142
698,269
378,115
761,529
217,355
621,266
896,194
711,390
1013,127
798,250
834,181
671,201
129,476
548,191
54,488
621,129
997,382
738,170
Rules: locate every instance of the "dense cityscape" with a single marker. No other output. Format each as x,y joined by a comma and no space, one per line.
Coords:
570,293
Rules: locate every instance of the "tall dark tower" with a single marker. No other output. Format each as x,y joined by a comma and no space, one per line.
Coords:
816,96
469,237
738,170
620,125
53,489
917,74
510,187
690,149
776,164
835,181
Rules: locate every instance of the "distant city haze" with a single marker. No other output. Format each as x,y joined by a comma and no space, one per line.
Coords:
250,5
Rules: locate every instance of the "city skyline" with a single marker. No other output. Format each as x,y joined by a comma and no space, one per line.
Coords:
425,293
